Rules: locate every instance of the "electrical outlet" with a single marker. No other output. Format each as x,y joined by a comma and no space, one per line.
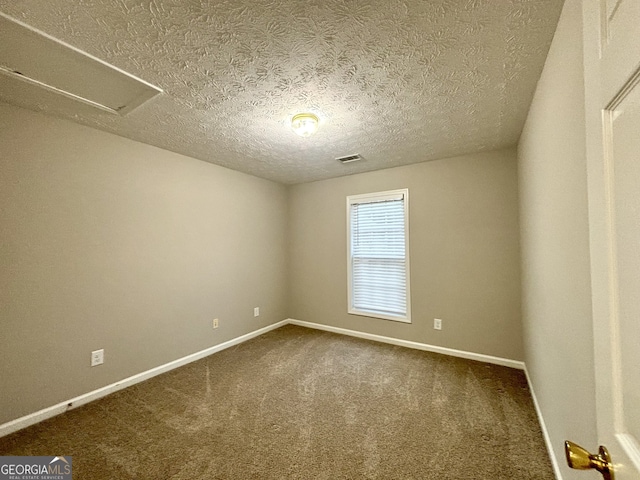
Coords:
256,312
215,323
437,323
97,357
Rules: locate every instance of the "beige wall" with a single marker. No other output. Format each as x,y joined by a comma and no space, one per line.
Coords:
555,248
108,243
463,220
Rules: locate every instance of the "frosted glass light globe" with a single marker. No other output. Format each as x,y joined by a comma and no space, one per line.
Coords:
304,124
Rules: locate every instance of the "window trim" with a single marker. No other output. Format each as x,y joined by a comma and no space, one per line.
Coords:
371,197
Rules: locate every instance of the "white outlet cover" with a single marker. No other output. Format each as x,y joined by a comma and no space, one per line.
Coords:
256,312
97,357
437,323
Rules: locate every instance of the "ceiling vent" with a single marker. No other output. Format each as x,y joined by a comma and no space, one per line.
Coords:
28,56
349,158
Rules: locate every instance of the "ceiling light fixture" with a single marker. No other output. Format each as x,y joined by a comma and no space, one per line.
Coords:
305,124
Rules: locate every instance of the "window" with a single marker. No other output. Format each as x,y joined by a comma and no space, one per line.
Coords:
378,246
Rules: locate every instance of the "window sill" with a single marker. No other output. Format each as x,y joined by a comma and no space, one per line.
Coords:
382,316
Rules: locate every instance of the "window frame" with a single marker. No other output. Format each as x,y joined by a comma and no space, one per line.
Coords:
372,198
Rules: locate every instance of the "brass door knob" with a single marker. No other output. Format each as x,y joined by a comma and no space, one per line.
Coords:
580,459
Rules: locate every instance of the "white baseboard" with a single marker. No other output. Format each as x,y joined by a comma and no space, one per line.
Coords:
545,432
44,414
52,411
506,362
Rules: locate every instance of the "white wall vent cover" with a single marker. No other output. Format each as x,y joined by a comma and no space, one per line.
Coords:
28,55
349,158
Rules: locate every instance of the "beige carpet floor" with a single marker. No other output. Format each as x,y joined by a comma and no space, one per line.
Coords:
297,403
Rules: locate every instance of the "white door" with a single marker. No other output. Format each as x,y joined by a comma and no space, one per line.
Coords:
612,85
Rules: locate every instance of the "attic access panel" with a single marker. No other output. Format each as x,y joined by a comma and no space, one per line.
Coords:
28,55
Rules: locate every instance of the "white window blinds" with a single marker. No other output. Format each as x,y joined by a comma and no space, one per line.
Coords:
378,260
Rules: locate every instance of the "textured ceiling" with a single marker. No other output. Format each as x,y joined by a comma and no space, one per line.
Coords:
398,81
